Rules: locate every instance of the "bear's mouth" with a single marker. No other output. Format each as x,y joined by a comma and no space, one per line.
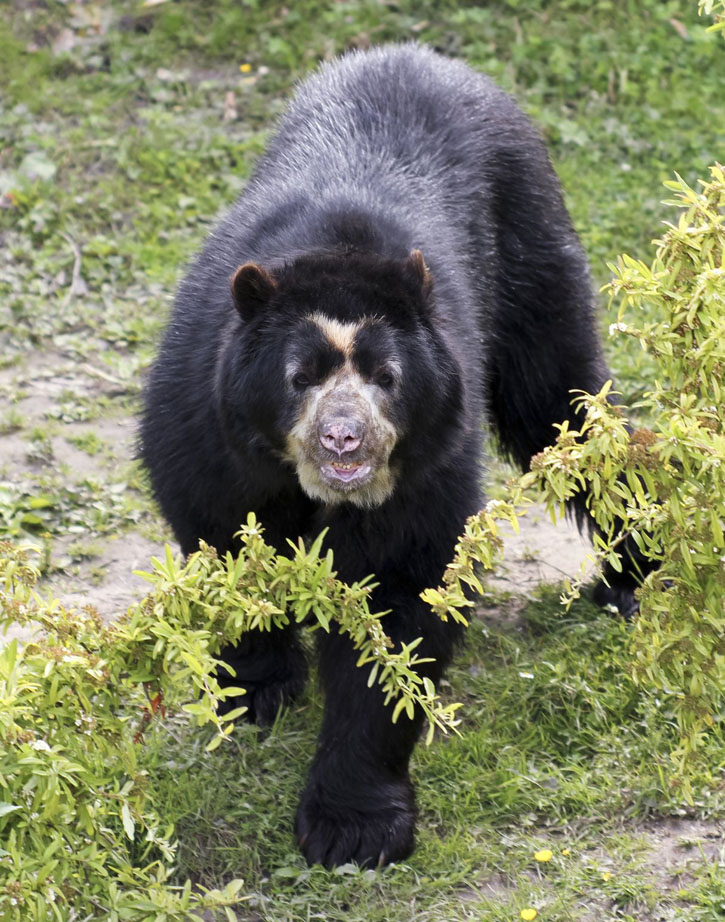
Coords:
338,473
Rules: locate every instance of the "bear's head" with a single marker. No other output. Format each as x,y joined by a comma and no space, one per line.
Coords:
339,369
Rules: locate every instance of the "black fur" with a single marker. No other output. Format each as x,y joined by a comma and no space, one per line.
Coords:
379,154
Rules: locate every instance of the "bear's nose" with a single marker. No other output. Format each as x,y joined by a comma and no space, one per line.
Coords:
341,435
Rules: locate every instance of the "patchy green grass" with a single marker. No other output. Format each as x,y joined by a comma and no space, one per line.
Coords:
123,130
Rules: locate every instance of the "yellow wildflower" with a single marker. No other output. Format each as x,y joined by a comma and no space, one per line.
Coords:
566,852
528,915
544,854
245,68
606,875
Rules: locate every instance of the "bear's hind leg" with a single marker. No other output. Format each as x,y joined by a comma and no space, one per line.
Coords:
543,333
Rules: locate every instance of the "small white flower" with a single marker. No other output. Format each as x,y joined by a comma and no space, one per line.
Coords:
40,745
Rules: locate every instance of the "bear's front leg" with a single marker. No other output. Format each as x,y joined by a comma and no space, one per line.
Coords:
359,803
270,666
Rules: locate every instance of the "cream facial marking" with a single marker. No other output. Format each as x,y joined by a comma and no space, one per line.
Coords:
339,335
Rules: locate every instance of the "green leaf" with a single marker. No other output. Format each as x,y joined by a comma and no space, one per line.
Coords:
6,808
128,824
216,741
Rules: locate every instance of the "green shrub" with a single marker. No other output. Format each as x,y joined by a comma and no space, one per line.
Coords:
664,486
667,482
80,837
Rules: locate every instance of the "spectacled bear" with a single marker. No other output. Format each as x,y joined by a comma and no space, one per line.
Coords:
399,271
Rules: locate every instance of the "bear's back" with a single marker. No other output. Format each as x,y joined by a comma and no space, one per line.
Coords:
399,124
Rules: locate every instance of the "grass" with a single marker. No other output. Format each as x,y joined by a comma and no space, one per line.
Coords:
115,157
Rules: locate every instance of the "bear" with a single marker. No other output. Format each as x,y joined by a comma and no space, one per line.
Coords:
399,273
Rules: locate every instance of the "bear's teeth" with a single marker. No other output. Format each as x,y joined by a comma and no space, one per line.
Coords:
344,467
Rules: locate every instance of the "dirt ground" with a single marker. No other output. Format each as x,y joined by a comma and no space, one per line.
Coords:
67,458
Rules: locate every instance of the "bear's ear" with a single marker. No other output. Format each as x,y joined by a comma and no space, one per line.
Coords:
252,287
416,269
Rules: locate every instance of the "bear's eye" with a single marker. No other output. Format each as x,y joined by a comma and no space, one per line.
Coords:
301,380
385,379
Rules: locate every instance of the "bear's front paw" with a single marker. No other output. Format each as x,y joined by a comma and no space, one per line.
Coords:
372,836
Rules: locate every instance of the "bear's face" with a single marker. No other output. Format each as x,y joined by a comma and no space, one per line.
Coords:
341,370
345,380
